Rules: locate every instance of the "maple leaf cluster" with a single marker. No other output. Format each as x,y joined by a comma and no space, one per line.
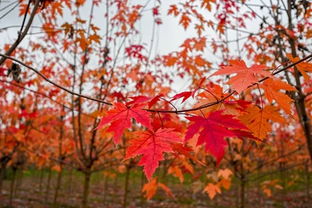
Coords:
212,128
153,142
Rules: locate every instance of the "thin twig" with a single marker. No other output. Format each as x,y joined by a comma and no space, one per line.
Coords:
22,35
53,83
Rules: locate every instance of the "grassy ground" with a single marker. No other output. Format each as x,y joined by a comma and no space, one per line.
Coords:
31,190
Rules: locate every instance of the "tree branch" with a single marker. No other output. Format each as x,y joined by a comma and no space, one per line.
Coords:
22,35
53,83
156,110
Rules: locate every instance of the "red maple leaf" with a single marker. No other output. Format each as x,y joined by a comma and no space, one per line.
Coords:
213,129
2,70
120,118
155,100
184,95
152,145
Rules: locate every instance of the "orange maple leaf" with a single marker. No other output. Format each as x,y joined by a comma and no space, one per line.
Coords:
212,190
170,60
200,44
173,10
185,20
177,172
96,38
207,4
151,187
303,67
258,120
245,76
22,9
272,92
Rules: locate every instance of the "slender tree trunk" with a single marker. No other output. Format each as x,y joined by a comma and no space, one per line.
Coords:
242,192
258,188
12,185
115,182
58,185
40,180
105,189
4,162
237,198
62,157
307,179
70,181
86,189
19,181
126,187
2,173
282,172
242,184
48,186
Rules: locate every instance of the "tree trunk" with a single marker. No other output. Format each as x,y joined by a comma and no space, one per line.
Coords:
12,185
242,185
19,181
40,180
86,188
307,179
70,181
2,173
4,162
58,185
48,186
242,192
237,191
126,188
105,189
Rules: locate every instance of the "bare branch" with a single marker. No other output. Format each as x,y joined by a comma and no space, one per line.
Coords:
22,35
